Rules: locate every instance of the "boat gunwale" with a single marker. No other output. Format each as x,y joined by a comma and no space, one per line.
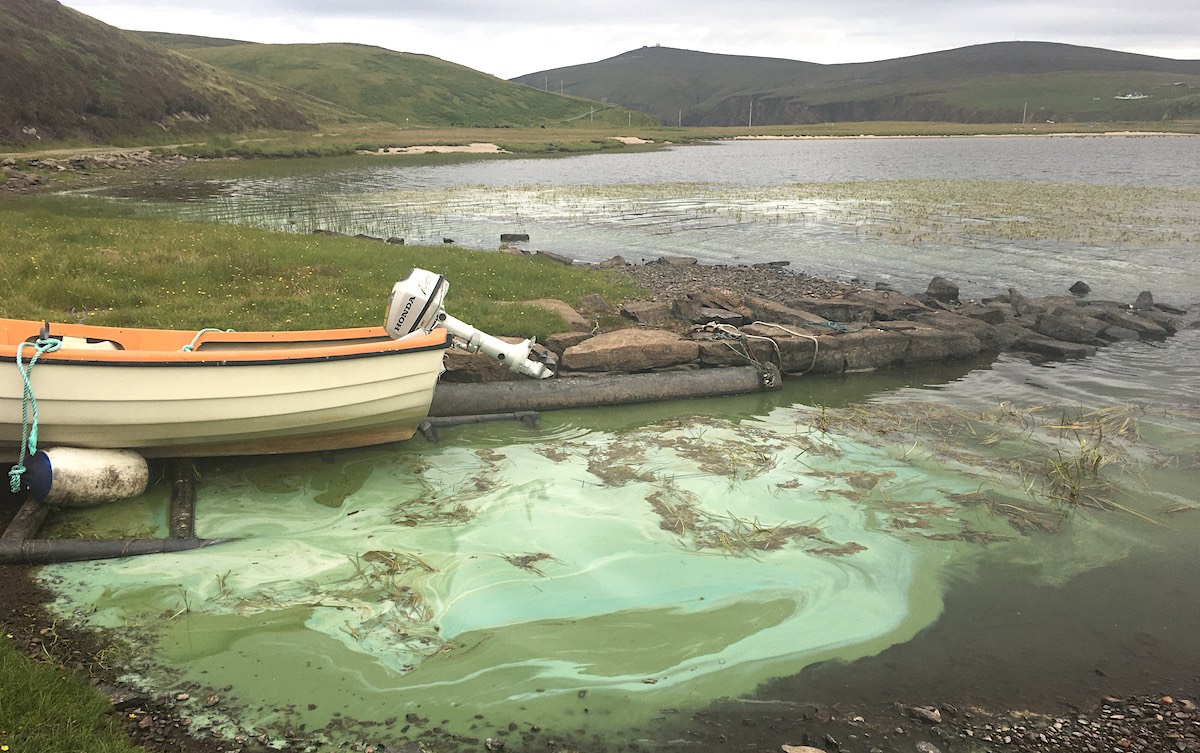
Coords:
278,347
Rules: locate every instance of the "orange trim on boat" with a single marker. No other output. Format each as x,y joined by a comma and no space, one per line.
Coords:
91,343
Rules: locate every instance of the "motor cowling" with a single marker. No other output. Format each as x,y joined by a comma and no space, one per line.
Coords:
416,304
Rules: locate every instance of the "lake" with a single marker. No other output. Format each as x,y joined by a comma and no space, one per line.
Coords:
1007,534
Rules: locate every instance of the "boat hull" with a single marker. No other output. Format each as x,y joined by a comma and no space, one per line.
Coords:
235,394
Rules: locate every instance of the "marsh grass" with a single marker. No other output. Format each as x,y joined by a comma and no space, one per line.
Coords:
101,265
1038,463
681,512
46,709
963,212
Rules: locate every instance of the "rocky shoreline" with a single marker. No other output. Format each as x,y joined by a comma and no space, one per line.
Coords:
701,317
42,173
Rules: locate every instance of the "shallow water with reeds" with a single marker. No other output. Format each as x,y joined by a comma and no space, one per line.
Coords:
1004,533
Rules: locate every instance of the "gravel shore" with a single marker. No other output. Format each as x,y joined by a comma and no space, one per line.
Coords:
668,281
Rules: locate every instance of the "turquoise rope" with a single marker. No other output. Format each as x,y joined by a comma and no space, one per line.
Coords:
192,345
29,430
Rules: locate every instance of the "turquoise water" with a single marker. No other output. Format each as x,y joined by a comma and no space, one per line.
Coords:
645,561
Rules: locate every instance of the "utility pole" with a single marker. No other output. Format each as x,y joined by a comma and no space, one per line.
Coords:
750,123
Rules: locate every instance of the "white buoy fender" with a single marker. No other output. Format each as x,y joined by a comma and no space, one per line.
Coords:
76,477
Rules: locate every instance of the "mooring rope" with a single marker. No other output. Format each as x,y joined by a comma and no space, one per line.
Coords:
732,332
816,342
29,429
192,345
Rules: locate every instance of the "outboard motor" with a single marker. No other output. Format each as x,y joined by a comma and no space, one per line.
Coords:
416,306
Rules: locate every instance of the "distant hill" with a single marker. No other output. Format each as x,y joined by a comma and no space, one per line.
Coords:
396,87
66,76
988,83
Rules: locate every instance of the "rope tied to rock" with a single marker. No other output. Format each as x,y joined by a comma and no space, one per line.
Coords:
816,343
29,429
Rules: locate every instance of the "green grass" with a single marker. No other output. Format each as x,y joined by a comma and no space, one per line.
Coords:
66,263
45,709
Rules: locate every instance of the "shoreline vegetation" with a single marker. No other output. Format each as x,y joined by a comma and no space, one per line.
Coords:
372,138
62,261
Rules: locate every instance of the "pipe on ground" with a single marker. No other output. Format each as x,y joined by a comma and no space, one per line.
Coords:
26,522
183,500
450,399
48,551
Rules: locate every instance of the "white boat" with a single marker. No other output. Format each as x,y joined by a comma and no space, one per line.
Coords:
173,393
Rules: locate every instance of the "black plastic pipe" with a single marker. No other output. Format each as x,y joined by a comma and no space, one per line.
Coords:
452,399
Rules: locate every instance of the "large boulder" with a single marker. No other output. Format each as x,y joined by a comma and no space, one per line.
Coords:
630,351
929,345
1071,324
1116,315
695,312
941,289
888,305
832,352
868,349
991,313
835,309
766,310
676,261
614,262
570,316
647,312
986,334
734,351
1051,348
560,341
723,298
1037,306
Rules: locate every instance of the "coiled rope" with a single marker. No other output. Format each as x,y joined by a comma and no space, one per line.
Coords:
29,429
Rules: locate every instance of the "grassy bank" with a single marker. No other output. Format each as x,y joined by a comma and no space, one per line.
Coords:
348,138
101,266
46,709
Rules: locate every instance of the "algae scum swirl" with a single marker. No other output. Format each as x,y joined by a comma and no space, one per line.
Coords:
582,584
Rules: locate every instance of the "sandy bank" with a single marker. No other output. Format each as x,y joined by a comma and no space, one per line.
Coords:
473,148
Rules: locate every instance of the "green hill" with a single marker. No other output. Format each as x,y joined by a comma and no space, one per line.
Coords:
396,87
989,83
65,76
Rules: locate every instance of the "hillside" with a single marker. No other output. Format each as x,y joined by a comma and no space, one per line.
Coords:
65,76
396,87
995,83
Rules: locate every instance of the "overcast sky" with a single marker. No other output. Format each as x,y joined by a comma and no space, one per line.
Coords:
508,38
